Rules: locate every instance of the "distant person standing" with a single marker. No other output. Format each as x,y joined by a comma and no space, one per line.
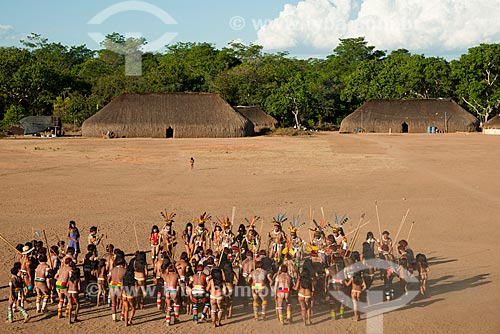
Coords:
191,162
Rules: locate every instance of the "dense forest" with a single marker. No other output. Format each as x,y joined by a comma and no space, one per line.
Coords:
74,82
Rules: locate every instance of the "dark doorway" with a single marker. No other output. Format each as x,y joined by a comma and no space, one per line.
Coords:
404,128
170,132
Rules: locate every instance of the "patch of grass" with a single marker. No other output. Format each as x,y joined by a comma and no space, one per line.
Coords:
289,132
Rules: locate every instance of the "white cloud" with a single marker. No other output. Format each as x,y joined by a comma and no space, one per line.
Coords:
5,29
388,24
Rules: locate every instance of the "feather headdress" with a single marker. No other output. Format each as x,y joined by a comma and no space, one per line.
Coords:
320,225
339,222
295,224
280,219
224,222
205,217
168,217
251,222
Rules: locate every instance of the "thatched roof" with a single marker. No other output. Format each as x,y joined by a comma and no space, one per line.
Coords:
493,123
261,121
413,115
159,115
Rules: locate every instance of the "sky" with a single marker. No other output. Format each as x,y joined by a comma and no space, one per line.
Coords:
305,28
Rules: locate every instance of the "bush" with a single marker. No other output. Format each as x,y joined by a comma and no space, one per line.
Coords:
289,132
12,116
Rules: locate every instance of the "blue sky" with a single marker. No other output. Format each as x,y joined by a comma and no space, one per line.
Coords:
200,21
303,27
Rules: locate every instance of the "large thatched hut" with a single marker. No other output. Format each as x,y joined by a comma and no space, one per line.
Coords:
492,127
168,115
409,115
260,120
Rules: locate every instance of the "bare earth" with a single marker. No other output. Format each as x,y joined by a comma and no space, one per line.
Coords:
449,182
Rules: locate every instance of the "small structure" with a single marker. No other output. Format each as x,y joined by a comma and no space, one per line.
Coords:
261,121
492,127
410,116
168,115
34,125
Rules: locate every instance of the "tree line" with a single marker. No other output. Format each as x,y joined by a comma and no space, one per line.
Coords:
74,82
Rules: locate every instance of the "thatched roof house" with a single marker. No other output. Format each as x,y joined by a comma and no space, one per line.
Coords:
411,115
168,115
492,127
260,120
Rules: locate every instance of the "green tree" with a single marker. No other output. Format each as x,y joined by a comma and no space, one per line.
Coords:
477,80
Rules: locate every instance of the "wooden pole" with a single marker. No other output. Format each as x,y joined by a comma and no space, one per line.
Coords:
363,225
232,215
357,230
409,233
401,225
48,249
137,238
8,243
378,221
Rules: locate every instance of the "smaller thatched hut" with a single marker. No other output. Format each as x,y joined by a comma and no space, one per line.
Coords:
492,127
168,115
260,120
409,115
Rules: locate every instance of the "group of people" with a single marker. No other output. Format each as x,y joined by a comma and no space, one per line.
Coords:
214,267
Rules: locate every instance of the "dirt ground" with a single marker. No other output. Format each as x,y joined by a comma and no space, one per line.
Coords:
449,182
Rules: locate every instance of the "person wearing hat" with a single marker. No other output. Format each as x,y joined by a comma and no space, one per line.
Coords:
26,269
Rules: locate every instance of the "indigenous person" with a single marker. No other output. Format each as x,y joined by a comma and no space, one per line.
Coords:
171,279
94,239
305,289
62,278
154,241
168,235
403,274
385,240
140,274
183,269
259,280
158,269
334,283
318,245
128,296
90,266
370,239
277,239
216,289
198,283
227,237
15,289
42,273
230,281
115,280
282,287
423,272
102,284
201,233
187,238
74,238
73,291
358,285
25,272
253,239
216,238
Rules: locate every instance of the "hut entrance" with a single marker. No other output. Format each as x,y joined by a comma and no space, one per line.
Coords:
170,133
404,128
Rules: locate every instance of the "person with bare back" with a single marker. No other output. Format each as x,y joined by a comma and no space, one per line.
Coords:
423,272
305,289
282,287
259,280
183,267
277,239
62,278
171,279
115,279
198,283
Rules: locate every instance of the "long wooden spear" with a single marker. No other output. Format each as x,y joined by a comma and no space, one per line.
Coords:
378,221
136,237
401,225
409,233
8,243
